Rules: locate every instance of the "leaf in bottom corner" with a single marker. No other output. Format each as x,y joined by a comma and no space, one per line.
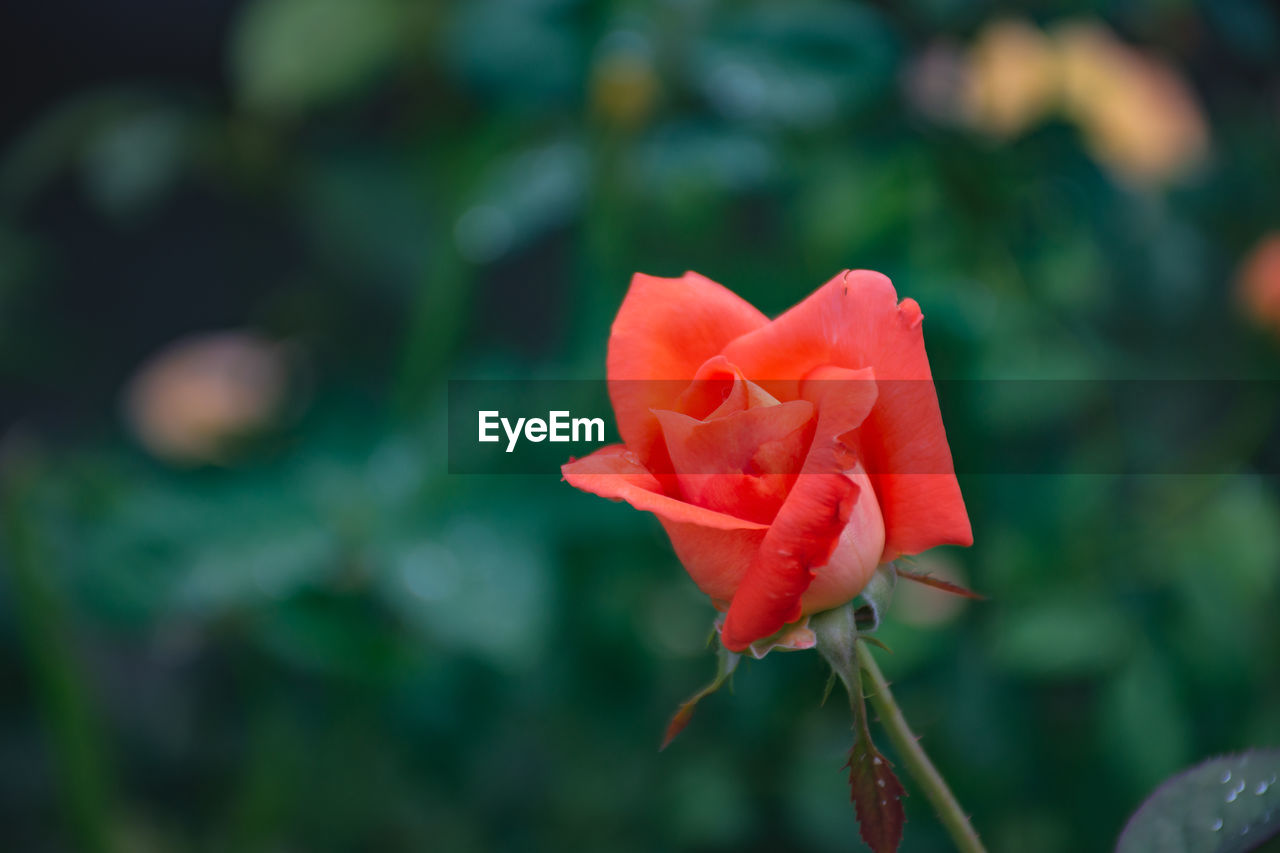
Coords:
1228,804
877,797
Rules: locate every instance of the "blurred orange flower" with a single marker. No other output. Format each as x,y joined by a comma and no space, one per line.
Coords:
188,401
1258,284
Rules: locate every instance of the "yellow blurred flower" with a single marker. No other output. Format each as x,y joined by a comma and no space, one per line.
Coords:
1258,283
191,399
624,87
1010,79
1139,118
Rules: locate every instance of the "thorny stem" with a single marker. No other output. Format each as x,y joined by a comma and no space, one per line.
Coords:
917,762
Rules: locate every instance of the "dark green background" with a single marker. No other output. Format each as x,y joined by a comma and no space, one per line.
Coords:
333,644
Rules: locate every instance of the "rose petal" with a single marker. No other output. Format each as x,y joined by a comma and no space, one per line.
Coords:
715,549
613,472
810,524
715,558
743,463
801,537
665,330
855,556
855,321
720,389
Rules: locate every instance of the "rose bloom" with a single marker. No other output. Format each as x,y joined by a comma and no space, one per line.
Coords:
786,459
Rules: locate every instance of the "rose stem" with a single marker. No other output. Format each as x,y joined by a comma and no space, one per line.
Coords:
917,763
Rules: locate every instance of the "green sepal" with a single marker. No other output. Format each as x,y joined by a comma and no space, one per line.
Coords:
876,596
726,663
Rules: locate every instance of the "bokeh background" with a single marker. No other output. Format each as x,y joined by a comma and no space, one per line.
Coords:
244,245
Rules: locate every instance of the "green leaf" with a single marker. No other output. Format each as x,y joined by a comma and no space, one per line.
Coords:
288,55
1144,724
1225,805
802,65
1067,637
523,197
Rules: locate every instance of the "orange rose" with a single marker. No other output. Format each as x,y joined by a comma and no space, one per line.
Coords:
786,459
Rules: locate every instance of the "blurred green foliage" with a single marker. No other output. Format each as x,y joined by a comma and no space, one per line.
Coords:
330,643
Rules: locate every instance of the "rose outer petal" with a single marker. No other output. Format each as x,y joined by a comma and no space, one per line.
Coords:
665,330
803,535
613,472
716,559
861,543
855,320
810,524
855,556
714,548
